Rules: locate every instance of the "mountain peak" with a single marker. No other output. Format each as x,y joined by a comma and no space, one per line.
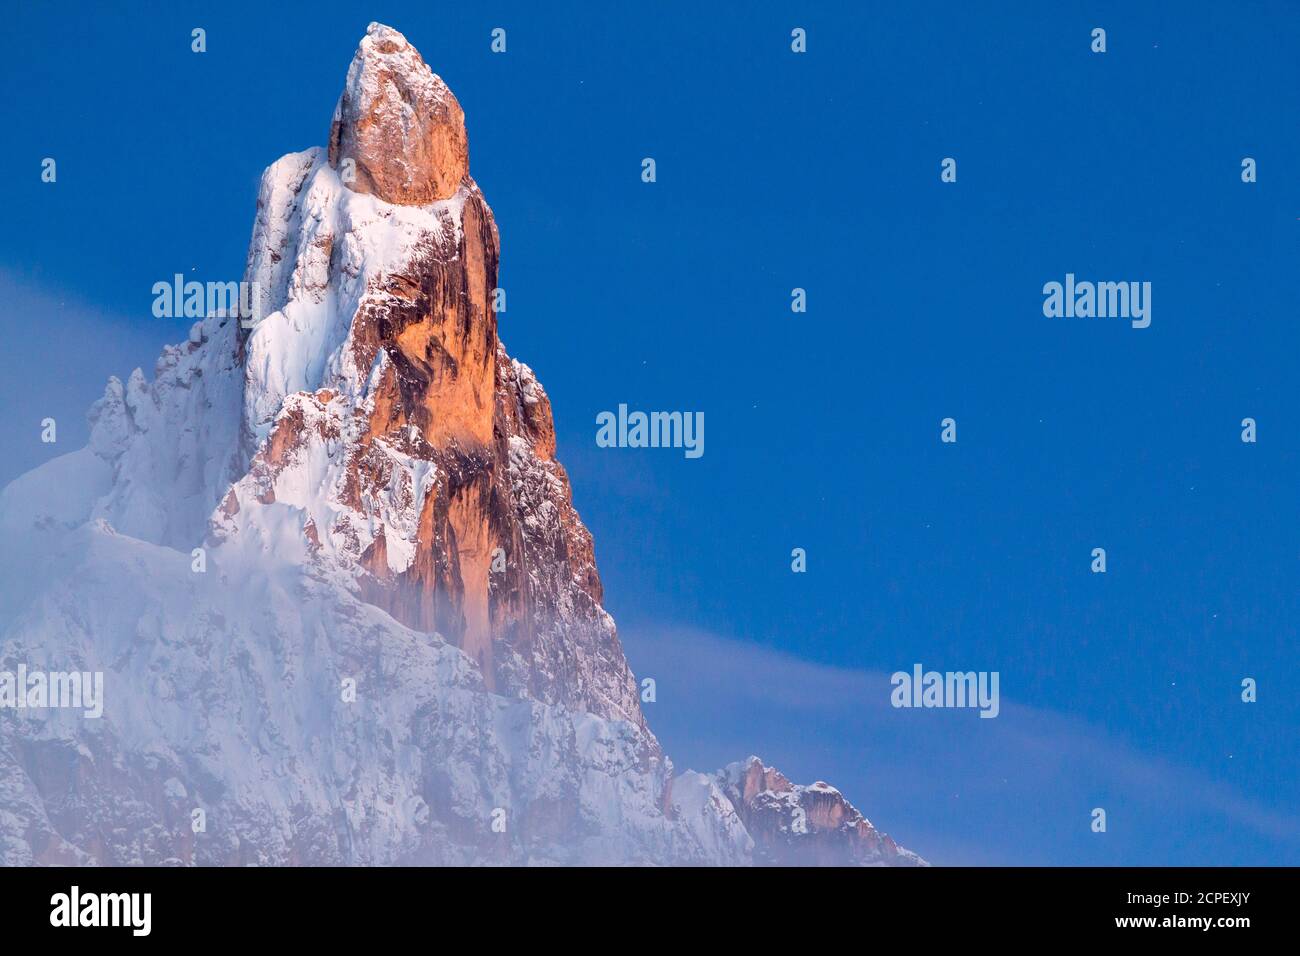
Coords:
398,132
357,491
383,33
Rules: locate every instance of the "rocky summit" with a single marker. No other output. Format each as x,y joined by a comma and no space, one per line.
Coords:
329,567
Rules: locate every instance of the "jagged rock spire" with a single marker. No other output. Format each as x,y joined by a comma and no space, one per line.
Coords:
398,124
384,510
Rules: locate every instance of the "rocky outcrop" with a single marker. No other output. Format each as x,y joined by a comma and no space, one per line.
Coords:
794,825
331,570
398,125
428,474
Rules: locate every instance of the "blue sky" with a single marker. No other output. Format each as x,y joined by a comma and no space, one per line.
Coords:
819,171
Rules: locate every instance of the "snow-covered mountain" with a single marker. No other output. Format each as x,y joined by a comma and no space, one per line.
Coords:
331,571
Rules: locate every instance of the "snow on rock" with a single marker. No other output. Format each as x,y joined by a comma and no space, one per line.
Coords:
330,568
173,443
795,825
700,805
223,693
398,124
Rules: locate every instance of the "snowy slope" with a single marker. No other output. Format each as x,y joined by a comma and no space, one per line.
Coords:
331,572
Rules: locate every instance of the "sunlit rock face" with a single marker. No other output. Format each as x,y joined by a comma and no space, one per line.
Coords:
330,569
399,124
420,456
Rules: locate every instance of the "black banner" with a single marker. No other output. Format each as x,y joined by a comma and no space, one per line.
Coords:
337,906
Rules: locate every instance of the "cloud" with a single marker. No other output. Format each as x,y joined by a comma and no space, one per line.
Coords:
58,354
956,788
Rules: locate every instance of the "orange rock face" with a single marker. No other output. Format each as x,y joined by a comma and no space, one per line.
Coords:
490,554
398,124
